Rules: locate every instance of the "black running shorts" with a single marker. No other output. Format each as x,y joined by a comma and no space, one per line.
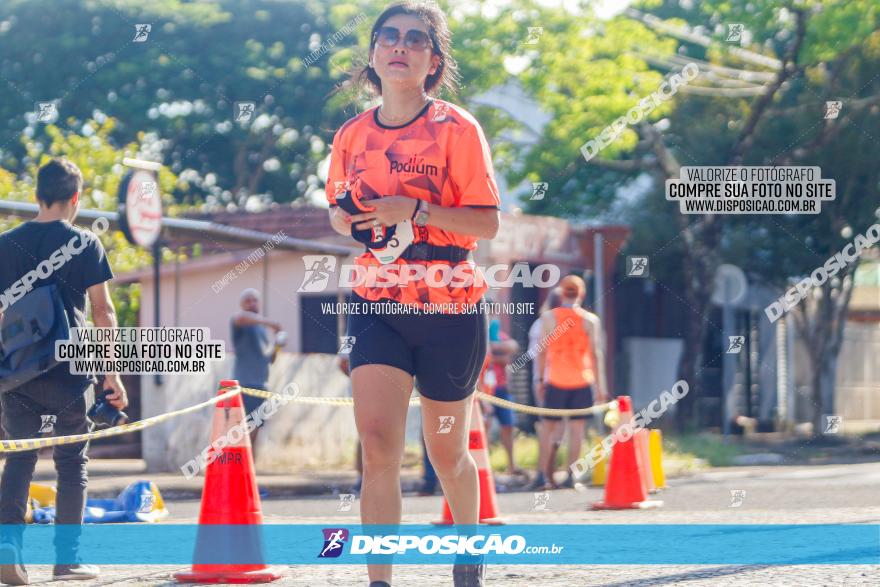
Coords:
567,399
444,352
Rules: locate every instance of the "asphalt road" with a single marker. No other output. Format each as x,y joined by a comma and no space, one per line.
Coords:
772,495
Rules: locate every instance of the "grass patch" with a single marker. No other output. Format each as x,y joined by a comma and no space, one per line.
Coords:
689,452
525,453
708,447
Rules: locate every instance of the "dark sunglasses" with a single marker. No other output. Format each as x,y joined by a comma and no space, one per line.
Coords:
388,36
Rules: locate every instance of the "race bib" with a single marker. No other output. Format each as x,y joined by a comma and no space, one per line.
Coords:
403,237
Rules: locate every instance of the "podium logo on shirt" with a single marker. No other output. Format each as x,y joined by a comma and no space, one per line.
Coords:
414,165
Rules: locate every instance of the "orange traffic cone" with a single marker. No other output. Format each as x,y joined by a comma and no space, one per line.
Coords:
480,451
642,439
624,488
231,516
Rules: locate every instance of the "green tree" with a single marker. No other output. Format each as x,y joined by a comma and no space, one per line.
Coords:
180,84
758,105
101,164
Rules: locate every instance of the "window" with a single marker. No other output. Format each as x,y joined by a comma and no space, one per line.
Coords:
318,327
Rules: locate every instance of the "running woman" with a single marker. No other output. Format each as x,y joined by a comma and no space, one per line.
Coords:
571,366
420,164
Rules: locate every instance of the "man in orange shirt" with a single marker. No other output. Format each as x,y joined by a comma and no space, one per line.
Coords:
571,367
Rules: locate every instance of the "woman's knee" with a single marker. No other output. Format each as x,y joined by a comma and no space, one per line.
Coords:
380,447
449,463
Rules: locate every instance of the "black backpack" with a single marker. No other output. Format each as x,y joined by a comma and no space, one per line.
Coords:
29,329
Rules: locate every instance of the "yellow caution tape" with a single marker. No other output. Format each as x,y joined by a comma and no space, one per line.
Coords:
333,401
545,411
25,444
347,401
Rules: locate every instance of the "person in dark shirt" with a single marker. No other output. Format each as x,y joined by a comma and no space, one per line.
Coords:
56,392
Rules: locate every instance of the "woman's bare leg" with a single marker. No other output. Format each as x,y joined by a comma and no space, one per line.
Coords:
451,458
381,398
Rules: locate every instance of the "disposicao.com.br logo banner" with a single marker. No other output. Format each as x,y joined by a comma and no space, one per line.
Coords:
516,544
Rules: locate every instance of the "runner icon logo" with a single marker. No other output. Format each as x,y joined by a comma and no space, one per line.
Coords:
736,344
346,500
832,424
446,423
734,32
334,540
441,109
737,496
347,345
340,187
48,424
148,190
46,111
541,500
535,33
318,271
539,190
141,33
637,266
832,108
148,500
244,111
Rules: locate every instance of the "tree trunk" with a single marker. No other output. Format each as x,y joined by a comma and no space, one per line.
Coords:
821,319
824,378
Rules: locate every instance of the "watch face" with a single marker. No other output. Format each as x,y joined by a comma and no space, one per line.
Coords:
422,214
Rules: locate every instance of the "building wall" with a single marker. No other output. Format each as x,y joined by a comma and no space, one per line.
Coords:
198,299
858,374
298,435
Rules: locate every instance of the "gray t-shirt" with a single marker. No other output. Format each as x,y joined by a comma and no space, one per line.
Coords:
253,354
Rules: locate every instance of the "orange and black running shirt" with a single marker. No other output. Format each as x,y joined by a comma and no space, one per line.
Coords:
570,355
440,156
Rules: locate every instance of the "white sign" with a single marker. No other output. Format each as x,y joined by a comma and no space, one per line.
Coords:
143,210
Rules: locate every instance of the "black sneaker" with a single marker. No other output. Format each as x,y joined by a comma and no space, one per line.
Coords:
12,571
539,482
78,572
380,584
468,575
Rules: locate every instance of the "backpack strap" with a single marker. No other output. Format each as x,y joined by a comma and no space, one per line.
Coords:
52,279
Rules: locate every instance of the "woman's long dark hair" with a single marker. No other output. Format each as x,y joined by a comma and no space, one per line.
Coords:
428,12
